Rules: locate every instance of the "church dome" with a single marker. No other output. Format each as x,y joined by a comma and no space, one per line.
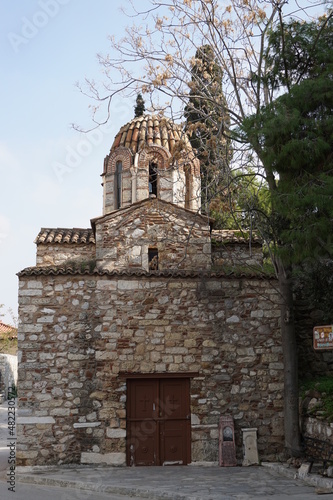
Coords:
151,156
151,130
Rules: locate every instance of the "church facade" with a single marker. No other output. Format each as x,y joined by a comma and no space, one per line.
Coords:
138,333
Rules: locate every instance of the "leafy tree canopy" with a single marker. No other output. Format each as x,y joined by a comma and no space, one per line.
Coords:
295,135
299,50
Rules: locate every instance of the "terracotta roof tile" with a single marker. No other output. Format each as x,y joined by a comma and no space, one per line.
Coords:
168,273
5,328
142,130
63,235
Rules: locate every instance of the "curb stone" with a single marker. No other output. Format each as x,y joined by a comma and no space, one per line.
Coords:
324,483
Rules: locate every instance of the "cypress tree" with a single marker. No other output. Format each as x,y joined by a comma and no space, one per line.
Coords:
139,108
207,123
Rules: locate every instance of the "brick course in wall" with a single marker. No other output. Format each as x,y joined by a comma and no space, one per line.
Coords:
81,333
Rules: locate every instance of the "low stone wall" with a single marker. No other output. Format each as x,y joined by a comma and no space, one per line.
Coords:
8,370
58,254
318,429
236,254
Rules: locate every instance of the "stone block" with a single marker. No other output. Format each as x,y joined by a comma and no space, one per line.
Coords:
251,456
107,458
233,319
35,420
115,433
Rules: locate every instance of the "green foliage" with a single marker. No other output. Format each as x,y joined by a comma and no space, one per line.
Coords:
299,51
140,107
323,388
295,137
313,281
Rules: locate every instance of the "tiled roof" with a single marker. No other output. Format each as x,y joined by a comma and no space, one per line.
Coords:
63,235
235,236
5,328
150,130
168,273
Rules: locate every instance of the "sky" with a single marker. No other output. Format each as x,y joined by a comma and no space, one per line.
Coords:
50,174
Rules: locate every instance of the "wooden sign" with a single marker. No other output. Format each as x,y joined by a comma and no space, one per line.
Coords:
323,337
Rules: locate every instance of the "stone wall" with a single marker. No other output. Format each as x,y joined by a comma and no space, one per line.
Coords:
236,254
80,334
57,254
8,371
182,238
318,429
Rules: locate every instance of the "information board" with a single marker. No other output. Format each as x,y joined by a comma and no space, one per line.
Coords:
323,337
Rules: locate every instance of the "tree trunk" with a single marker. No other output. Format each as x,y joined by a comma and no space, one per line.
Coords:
289,345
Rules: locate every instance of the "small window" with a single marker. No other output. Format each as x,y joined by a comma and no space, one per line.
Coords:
153,259
153,178
117,184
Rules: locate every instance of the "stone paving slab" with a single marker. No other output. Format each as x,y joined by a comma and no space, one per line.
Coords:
176,483
273,481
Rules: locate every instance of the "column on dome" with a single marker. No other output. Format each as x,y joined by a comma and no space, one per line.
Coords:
193,185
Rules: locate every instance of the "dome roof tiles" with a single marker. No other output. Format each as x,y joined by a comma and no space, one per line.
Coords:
151,130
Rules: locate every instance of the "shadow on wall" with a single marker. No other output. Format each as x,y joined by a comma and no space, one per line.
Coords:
8,373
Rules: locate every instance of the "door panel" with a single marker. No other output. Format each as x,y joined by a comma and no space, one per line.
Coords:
143,443
158,422
142,426
143,398
173,444
173,399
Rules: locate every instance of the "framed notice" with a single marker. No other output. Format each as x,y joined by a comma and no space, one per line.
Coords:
323,337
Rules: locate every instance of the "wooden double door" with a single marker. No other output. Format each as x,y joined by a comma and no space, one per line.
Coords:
158,421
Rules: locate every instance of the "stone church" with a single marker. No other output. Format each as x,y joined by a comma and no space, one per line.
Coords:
138,333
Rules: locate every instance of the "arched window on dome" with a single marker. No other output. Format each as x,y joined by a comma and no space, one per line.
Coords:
153,178
117,184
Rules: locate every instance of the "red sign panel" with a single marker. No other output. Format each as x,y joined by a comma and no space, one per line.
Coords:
323,337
